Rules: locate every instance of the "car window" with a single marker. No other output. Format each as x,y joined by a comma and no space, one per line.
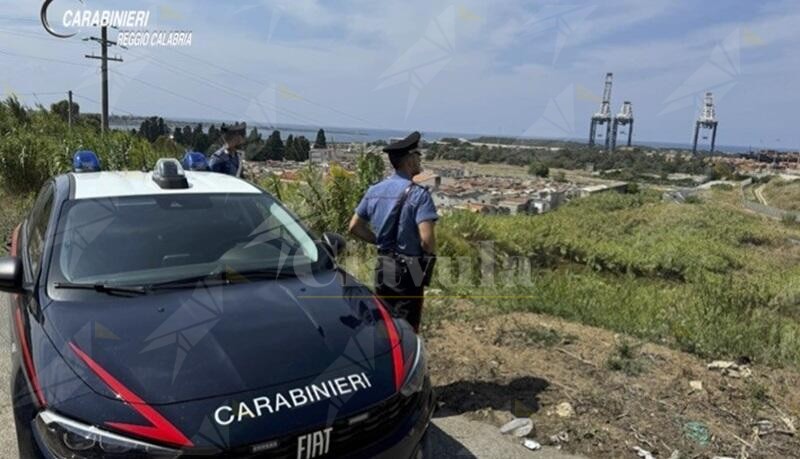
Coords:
279,224
37,228
152,239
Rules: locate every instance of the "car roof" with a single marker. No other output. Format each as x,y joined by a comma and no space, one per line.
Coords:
91,185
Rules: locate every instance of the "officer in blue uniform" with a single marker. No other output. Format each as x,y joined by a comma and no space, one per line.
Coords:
228,160
399,217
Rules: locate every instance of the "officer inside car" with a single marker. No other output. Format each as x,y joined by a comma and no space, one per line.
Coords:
228,160
399,217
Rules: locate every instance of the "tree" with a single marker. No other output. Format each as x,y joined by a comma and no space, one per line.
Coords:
253,144
254,136
273,148
369,169
290,152
320,142
177,135
162,127
61,108
252,151
303,148
722,171
92,121
199,139
167,147
214,134
188,138
538,169
153,128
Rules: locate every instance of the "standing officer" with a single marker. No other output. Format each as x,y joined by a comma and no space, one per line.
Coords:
227,159
399,216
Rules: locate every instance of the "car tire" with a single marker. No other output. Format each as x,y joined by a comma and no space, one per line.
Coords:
425,450
23,415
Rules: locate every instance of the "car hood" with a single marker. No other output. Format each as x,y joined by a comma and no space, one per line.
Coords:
209,342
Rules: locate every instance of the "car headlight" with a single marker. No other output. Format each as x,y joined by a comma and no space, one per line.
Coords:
415,379
69,439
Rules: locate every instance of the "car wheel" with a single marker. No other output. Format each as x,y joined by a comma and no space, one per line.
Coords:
23,414
425,450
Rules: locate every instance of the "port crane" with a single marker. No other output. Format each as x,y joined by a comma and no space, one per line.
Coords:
624,118
603,117
707,120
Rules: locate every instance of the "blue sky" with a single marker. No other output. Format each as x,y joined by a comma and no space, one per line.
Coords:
511,67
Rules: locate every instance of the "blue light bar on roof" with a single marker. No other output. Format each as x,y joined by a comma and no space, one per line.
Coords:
195,161
85,161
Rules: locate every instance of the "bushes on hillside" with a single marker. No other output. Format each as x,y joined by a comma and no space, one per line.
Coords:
36,144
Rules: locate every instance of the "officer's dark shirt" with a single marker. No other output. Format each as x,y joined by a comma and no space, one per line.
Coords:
225,162
377,204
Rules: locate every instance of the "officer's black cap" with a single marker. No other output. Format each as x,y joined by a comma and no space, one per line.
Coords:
238,128
403,147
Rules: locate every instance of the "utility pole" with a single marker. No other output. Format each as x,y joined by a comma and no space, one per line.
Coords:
69,109
104,42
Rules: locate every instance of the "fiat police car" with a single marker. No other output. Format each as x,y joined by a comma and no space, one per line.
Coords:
183,313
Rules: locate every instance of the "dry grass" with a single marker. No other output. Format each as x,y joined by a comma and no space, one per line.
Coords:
783,194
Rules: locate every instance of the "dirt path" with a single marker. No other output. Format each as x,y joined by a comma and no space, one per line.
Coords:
559,374
759,192
458,436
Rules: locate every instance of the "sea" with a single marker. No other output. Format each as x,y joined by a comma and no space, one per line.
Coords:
364,135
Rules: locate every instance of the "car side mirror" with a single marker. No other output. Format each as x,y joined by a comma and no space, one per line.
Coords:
11,274
335,243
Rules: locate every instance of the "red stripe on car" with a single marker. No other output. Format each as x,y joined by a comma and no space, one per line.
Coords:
15,241
159,429
27,360
394,341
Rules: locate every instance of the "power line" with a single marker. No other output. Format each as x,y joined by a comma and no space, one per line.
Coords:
8,18
34,36
58,61
246,77
39,93
98,104
231,91
140,81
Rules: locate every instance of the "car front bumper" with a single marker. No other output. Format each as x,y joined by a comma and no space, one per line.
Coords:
405,441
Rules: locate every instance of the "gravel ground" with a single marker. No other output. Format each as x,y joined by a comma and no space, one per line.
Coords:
8,439
457,436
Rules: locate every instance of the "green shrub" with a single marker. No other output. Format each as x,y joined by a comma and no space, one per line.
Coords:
538,169
36,145
722,186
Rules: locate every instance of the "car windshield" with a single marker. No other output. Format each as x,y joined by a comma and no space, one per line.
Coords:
144,240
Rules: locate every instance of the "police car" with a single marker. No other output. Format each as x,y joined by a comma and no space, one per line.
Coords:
180,313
